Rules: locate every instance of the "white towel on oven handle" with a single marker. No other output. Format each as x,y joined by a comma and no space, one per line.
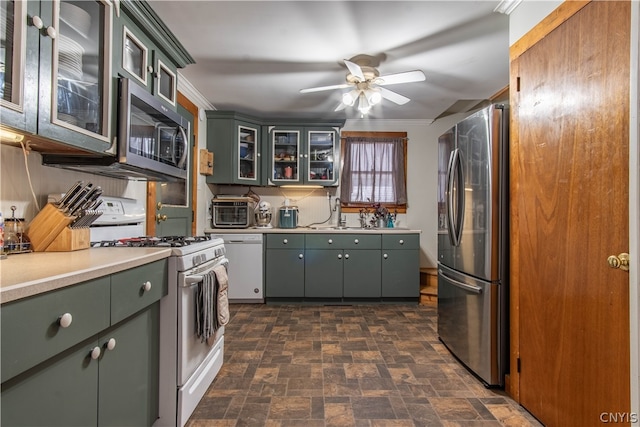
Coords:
223,294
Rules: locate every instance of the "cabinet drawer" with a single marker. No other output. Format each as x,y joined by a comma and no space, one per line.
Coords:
400,241
325,241
129,293
285,241
31,332
362,241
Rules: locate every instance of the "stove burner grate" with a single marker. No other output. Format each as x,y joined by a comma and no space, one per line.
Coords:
146,241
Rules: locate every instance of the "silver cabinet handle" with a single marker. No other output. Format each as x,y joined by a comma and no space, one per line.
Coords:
401,242
356,241
285,241
300,256
385,256
146,286
330,241
339,256
346,256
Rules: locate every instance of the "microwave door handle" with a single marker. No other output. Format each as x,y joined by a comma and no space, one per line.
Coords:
185,151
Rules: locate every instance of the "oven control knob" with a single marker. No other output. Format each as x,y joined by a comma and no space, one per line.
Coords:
65,320
95,353
111,344
147,286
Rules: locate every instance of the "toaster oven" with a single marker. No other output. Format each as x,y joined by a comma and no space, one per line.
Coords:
232,212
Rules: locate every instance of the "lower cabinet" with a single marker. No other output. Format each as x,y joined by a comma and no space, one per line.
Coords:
89,369
117,388
342,266
284,266
400,266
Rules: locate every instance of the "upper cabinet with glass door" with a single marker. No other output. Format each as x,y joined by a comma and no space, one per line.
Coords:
305,155
138,57
59,85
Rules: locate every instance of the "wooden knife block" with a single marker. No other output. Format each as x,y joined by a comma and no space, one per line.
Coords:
50,228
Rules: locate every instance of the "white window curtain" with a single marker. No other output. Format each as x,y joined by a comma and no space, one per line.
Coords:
373,171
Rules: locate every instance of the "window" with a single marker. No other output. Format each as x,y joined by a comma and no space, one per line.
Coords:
374,170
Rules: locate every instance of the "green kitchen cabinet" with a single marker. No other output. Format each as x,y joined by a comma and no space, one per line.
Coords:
118,387
342,266
303,155
284,266
59,86
236,143
400,265
139,52
92,353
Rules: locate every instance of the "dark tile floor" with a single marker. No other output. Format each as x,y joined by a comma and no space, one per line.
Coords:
365,365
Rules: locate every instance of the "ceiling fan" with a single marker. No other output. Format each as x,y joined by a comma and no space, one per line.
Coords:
367,85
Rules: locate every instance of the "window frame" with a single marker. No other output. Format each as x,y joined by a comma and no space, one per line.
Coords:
355,207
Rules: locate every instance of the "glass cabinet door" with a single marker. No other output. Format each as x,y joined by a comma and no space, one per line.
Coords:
81,71
11,52
322,156
286,156
248,153
134,56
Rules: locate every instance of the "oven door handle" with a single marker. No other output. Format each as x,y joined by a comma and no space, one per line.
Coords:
194,279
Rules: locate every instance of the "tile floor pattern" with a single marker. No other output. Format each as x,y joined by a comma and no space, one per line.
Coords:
342,366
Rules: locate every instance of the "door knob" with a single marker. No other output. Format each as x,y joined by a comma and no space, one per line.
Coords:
159,205
160,218
621,261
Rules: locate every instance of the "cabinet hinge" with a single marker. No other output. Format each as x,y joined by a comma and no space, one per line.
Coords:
518,365
517,84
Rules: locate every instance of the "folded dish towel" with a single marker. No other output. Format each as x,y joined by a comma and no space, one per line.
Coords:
223,295
206,316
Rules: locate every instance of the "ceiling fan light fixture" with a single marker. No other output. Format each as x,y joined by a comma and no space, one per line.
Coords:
363,105
373,96
349,98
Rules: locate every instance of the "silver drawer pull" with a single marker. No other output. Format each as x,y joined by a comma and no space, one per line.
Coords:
385,256
401,242
285,241
330,241
339,256
65,320
356,241
346,256
146,286
300,256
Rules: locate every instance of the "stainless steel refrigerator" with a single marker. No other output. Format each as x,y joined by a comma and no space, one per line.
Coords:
473,242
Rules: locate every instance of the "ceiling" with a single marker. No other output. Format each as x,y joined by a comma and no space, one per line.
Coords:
255,56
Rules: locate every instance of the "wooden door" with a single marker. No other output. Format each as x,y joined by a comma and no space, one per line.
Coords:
569,166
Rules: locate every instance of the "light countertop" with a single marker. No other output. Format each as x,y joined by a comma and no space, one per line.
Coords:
24,275
310,230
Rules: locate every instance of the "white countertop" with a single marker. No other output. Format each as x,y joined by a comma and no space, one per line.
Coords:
308,230
24,275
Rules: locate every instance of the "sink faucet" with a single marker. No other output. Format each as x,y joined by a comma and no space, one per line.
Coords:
337,208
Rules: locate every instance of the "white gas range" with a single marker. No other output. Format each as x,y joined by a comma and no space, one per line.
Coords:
187,364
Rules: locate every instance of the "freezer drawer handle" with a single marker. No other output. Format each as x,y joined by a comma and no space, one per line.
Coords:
465,286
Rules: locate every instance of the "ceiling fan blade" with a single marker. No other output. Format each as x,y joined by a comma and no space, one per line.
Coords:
393,97
321,88
340,106
355,70
405,77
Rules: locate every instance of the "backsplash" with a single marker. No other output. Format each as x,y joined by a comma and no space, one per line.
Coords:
15,190
313,204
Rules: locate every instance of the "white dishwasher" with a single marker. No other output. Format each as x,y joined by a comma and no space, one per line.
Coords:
244,252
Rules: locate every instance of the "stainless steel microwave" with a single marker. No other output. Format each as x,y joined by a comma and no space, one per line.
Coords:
232,212
152,144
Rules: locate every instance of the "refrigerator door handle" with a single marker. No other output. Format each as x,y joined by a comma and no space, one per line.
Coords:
450,211
465,286
461,198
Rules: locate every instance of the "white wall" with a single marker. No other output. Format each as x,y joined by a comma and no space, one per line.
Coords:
16,191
